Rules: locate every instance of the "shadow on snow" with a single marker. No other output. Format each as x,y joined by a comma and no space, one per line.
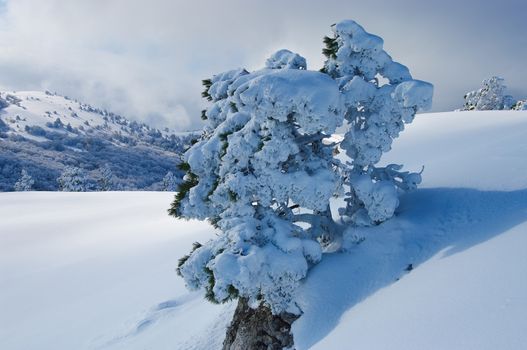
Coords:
429,221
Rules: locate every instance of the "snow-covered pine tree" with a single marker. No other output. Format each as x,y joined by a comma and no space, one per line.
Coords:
520,105
491,96
72,179
379,97
25,183
106,181
170,182
262,154
263,171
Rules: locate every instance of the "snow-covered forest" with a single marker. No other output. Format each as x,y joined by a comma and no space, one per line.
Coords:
43,134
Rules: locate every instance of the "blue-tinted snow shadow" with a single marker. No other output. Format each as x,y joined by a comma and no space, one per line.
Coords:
429,221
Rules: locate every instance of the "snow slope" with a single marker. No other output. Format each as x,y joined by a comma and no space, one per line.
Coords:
471,206
91,270
96,270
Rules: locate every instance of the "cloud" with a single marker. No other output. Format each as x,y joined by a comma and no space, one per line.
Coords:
146,59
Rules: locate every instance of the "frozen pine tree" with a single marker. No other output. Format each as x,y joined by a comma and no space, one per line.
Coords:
72,179
491,96
264,170
25,183
106,181
263,153
170,182
521,105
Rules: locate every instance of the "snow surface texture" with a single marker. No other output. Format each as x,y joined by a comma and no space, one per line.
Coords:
96,270
43,133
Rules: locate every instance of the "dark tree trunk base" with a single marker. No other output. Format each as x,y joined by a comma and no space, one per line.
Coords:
258,329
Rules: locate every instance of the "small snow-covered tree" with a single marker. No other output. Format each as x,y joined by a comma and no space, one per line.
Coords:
262,154
491,96
106,181
25,183
520,105
72,179
170,182
264,170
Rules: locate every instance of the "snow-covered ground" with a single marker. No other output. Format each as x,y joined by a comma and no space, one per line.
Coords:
96,270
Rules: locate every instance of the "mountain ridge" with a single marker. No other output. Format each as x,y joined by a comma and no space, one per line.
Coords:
44,132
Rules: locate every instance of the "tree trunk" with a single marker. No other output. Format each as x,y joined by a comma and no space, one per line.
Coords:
258,329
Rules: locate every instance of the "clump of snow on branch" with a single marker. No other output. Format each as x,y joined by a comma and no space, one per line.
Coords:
286,59
264,169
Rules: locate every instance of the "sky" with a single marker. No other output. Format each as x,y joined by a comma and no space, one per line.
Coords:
146,59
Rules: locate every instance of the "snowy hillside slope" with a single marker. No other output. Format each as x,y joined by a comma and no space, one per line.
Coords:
89,270
36,108
96,270
42,132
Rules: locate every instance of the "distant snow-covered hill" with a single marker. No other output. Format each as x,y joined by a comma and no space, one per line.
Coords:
43,132
96,270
